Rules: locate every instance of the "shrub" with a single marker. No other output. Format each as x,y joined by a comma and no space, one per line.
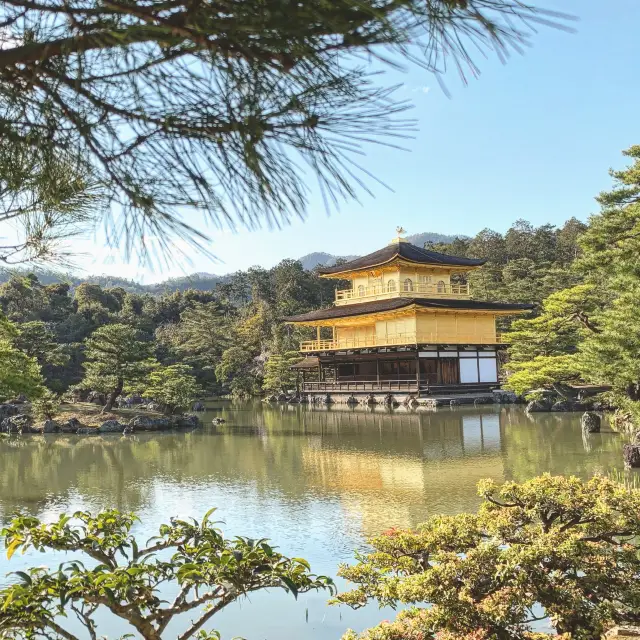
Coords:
551,547
46,406
173,386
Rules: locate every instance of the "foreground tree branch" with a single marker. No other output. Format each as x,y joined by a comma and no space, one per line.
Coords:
211,110
198,559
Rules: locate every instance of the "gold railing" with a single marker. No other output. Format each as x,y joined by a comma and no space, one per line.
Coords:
415,289
400,339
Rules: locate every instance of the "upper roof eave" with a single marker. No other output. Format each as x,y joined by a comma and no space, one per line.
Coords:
400,251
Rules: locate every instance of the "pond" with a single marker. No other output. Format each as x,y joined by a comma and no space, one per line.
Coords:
315,481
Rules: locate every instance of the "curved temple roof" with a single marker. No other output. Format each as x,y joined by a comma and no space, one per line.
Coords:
404,251
380,306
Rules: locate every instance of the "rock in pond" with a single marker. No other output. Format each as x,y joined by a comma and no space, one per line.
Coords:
17,424
87,431
537,406
631,455
218,421
185,422
590,422
8,410
454,403
111,426
198,406
147,423
504,397
562,405
71,425
48,426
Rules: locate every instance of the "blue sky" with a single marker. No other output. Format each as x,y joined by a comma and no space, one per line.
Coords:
531,139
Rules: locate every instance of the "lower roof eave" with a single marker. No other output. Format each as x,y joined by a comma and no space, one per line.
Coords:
394,304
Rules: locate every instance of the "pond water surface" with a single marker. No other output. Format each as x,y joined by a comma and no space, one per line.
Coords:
317,482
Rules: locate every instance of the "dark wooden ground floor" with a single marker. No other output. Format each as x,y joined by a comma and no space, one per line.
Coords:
434,369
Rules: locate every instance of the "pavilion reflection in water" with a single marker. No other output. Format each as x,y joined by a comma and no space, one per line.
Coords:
396,470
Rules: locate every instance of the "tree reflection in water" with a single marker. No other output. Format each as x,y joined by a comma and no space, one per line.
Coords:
387,468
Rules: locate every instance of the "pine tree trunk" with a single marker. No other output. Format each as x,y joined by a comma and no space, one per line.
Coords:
113,396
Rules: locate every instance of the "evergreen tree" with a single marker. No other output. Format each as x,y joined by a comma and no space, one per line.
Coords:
48,195
115,357
592,330
278,376
239,368
19,373
37,340
552,548
108,570
611,245
173,386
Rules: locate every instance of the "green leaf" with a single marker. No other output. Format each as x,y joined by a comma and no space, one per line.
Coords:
26,578
12,548
205,519
290,586
303,562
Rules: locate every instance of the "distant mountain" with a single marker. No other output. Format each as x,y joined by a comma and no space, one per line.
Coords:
49,276
203,281
321,259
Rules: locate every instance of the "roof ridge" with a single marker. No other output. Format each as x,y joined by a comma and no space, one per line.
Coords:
430,254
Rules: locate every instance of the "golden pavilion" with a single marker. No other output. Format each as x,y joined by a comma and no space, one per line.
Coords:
404,325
